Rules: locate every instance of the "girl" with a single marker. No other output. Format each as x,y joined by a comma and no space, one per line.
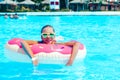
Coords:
48,37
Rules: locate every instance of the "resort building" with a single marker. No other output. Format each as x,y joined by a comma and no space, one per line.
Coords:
56,5
94,5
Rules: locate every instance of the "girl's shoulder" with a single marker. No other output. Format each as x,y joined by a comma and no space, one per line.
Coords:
30,42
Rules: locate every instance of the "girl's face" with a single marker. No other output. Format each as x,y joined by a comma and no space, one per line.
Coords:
48,35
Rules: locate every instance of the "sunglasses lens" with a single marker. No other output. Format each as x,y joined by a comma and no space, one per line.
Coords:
44,35
52,35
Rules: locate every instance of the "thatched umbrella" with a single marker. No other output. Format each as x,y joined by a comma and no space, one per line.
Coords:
8,2
46,2
77,2
27,2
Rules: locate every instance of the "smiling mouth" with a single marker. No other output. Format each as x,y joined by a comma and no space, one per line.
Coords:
48,40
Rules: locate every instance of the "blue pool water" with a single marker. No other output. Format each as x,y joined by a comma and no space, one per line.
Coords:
100,35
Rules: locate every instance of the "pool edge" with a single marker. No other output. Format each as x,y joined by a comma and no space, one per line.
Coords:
64,13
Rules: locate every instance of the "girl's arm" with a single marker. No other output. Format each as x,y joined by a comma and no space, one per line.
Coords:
25,44
75,49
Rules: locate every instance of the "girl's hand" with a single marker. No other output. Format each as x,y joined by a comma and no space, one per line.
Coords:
69,63
35,61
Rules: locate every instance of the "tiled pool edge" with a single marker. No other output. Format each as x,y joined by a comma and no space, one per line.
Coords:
72,13
65,13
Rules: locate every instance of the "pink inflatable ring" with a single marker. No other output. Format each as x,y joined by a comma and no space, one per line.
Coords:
46,53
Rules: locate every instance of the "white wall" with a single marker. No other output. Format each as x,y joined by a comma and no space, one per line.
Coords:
54,4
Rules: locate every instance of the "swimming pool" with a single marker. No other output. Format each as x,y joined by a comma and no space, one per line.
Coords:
100,35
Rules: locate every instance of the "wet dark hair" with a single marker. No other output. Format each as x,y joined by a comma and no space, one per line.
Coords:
47,26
